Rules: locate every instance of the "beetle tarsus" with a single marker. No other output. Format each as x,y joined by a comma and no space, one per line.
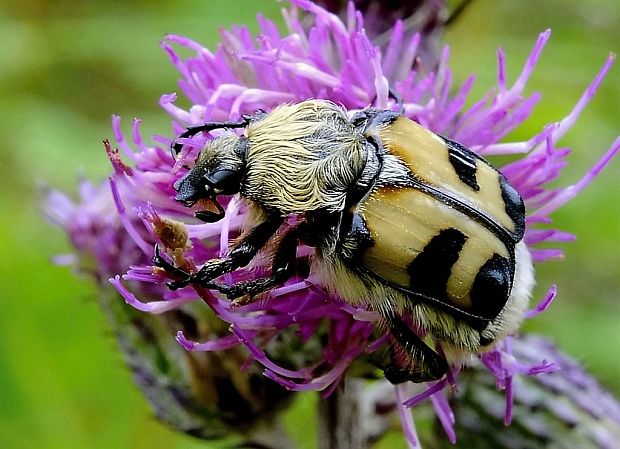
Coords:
177,285
397,98
239,256
158,261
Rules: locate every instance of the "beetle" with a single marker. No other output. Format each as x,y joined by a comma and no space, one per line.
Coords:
404,221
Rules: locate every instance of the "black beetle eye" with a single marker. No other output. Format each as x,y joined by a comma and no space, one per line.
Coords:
225,182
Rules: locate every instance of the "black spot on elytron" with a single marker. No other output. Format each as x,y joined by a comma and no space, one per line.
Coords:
465,167
463,161
514,206
430,270
491,287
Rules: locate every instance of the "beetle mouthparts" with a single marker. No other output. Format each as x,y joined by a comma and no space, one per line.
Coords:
187,202
209,215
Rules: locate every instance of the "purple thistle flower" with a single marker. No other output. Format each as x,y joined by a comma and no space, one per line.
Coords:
118,224
568,409
389,24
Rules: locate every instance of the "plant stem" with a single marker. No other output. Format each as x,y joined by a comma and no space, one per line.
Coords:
339,416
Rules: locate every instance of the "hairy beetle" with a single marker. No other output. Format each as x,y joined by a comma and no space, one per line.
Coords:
405,221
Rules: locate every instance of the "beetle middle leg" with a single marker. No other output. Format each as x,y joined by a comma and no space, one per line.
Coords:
240,256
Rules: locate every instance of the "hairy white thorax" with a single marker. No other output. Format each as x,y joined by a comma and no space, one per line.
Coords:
302,157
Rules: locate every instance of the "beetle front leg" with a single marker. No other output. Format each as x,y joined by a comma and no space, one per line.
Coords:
320,230
239,256
282,268
158,261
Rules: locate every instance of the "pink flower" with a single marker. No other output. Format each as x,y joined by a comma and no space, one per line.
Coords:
118,224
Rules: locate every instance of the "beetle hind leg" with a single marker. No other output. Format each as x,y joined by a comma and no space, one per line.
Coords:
426,365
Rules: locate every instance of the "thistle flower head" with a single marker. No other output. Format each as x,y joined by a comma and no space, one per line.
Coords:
118,224
568,409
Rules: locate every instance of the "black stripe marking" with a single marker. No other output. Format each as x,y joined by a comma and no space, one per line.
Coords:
478,323
507,238
464,164
514,206
491,287
430,270
355,238
502,233
513,202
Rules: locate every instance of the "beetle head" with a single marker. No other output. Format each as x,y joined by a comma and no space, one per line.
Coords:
218,171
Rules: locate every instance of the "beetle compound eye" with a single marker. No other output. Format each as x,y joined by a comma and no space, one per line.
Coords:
225,181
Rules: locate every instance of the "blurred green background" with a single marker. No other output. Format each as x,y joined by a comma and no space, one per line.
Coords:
66,66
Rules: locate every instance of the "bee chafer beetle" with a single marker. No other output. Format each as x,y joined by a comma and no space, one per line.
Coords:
404,221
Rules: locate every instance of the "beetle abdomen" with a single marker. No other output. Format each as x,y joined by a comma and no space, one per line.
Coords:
435,252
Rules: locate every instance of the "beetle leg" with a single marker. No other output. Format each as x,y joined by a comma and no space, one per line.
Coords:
282,268
158,261
240,256
322,230
427,364
355,238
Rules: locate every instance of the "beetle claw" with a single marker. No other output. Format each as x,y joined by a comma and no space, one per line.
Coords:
159,261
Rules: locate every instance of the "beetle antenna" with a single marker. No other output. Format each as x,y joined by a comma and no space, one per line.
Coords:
454,14
397,98
176,147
